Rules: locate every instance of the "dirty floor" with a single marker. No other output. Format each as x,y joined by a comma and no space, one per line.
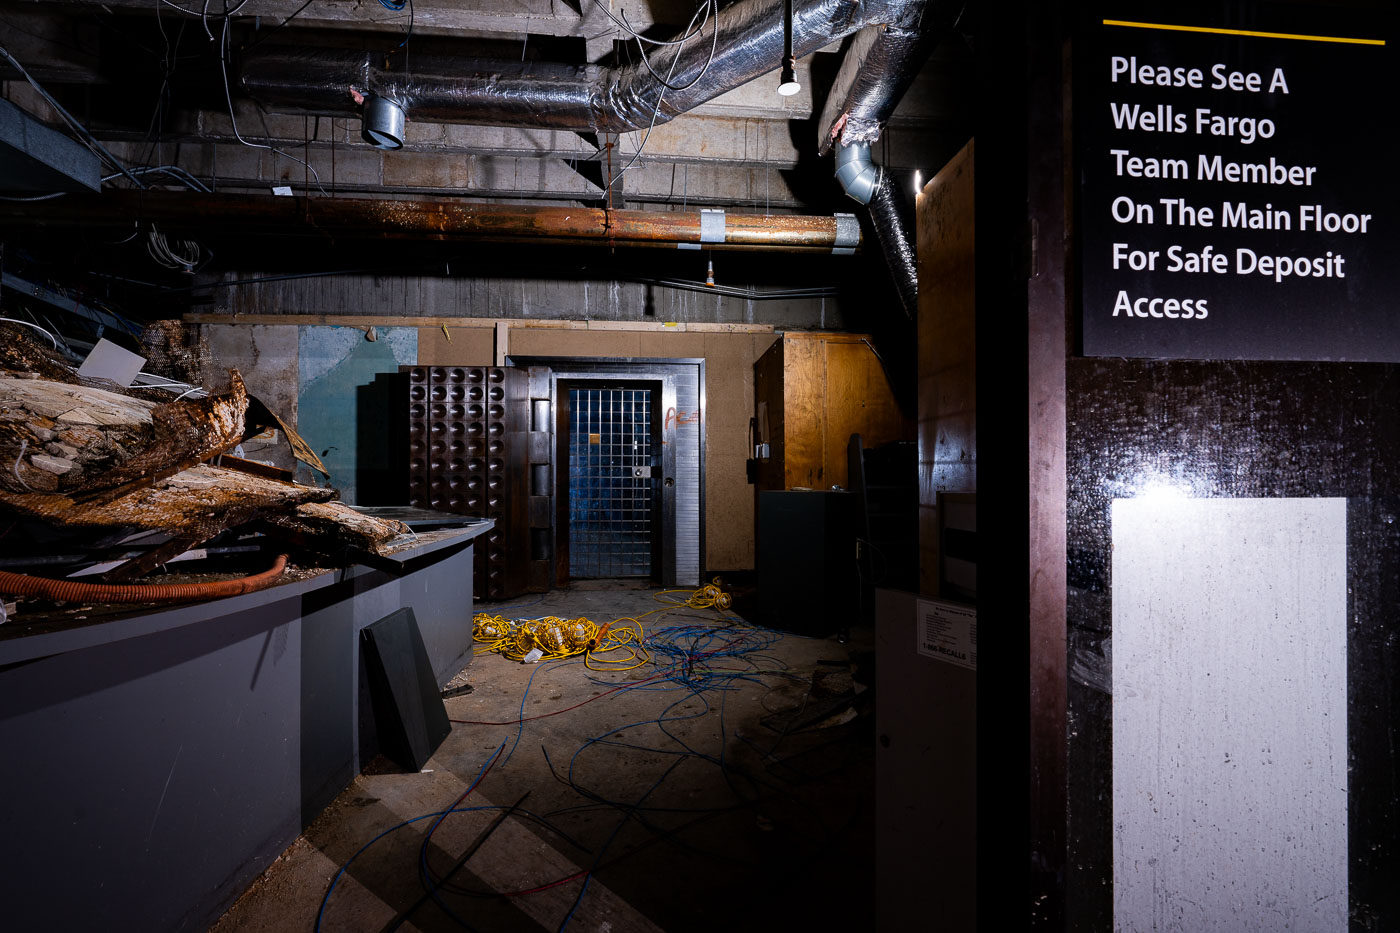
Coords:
726,784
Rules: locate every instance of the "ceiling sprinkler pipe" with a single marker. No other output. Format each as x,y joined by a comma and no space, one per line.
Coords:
858,176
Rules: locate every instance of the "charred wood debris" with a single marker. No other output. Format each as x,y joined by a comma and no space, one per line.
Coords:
109,484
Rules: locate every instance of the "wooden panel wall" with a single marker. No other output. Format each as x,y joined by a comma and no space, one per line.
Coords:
820,389
947,351
858,400
768,410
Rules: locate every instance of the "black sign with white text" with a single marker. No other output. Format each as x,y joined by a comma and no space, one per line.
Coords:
1237,186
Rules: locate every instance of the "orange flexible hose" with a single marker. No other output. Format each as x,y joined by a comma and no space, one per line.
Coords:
74,591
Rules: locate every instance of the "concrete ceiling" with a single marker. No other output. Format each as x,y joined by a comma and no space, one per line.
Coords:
148,81
145,78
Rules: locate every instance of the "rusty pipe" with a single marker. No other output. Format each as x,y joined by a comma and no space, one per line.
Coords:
74,591
434,219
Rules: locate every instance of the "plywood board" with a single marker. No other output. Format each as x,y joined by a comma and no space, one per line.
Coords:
946,214
455,346
804,413
858,400
680,345
540,342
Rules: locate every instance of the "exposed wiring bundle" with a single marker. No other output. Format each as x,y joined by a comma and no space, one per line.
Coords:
700,668
550,638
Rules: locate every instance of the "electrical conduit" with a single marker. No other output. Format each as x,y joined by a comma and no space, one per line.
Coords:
73,591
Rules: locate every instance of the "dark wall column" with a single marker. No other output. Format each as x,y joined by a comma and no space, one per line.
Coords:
1047,347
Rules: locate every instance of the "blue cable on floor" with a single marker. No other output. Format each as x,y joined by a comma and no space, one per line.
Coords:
684,656
441,815
343,868
423,851
616,829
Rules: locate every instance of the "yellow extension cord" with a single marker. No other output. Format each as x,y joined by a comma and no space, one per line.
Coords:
557,638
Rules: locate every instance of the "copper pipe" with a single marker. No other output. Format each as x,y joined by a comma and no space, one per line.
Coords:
438,220
73,591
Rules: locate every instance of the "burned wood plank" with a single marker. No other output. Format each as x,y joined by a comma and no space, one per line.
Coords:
193,502
20,352
143,564
184,431
108,438
263,416
335,529
228,461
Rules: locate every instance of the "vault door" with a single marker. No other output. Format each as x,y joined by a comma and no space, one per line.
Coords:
614,472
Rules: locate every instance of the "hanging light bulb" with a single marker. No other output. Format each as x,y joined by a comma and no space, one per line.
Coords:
787,83
710,274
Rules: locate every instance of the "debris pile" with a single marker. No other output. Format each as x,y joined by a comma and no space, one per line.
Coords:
90,469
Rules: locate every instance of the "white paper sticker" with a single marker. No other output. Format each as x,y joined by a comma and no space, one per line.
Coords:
948,632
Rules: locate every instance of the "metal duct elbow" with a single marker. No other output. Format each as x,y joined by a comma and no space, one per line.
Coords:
859,177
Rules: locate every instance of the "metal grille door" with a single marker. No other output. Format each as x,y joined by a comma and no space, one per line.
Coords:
610,482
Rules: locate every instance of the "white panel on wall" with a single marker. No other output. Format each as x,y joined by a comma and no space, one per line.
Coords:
1229,715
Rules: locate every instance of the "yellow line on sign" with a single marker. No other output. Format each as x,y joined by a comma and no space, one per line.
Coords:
1242,32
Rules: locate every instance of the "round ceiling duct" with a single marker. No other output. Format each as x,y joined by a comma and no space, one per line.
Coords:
383,123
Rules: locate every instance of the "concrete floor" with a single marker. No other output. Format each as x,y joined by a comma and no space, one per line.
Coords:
733,791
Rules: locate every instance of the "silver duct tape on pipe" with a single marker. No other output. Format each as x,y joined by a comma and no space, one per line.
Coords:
847,235
458,90
887,221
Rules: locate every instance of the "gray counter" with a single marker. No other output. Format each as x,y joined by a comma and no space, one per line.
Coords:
154,765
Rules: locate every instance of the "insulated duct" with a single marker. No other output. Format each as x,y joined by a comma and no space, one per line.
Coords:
866,182
882,63
893,236
447,89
